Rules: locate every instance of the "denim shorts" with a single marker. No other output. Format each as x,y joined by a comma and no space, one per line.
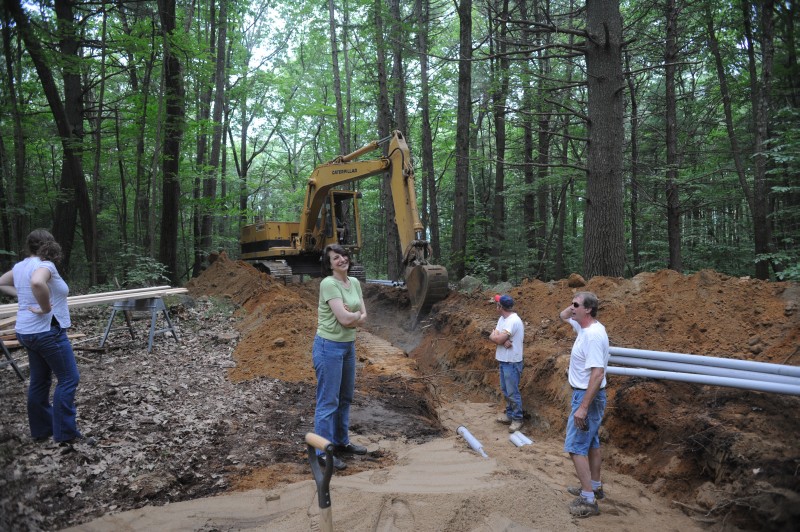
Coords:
579,441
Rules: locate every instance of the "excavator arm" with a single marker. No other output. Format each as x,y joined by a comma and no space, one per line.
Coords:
426,283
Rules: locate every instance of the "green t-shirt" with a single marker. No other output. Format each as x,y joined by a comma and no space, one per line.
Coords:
328,326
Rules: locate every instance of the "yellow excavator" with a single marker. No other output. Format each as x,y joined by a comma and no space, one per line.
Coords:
330,216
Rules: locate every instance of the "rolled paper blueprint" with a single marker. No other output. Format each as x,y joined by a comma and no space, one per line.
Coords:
475,444
524,439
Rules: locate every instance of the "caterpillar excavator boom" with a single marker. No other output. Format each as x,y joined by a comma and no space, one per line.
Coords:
330,215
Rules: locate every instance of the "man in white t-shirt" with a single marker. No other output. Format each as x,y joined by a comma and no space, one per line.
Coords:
587,377
509,335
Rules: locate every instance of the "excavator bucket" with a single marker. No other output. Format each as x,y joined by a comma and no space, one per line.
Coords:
426,284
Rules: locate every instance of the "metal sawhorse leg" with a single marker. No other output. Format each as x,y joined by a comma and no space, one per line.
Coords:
11,361
154,305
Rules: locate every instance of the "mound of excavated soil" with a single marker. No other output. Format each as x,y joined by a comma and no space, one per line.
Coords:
722,454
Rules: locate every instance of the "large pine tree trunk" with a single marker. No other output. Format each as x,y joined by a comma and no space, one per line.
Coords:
458,246
761,212
173,135
671,104
604,243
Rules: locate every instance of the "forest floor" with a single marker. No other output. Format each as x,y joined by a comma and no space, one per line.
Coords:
206,432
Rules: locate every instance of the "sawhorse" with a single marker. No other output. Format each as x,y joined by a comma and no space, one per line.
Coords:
154,305
11,361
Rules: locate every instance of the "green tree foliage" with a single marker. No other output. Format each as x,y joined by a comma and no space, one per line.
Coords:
280,121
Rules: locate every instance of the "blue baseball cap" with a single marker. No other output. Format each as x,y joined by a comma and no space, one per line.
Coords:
505,301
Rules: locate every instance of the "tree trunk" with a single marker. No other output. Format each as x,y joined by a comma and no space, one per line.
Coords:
337,83
604,242
761,212
458,248
174,121
429,189
210,181
98,147
397,88
634,206
499,97
16,240
69,123
671,118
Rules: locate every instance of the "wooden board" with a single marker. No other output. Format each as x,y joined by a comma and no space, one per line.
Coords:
9,311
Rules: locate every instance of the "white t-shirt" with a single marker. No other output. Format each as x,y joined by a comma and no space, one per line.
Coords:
29,322
513,326
590,350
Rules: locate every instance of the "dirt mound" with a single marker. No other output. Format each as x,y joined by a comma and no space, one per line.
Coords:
278,323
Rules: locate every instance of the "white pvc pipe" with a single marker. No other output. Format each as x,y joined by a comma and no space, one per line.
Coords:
760,386
513,438
703,370
475,444
746,365
524,439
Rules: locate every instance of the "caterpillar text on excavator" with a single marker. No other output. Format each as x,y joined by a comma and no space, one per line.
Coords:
330,215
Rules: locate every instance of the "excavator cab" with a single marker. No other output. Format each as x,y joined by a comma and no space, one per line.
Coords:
338,221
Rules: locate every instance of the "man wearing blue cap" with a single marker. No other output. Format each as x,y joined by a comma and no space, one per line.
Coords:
509,335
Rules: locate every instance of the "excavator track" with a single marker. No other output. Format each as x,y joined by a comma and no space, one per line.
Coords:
278,270
427,284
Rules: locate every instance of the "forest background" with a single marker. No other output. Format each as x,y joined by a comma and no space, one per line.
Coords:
606,137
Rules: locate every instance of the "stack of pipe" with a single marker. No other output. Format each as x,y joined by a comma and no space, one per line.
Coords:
745,374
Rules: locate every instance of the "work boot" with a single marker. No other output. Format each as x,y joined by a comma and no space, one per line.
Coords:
504,419
576,490
337,463
350,448
515,425
580,507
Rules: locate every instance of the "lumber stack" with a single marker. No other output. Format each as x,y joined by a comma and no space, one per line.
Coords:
8,312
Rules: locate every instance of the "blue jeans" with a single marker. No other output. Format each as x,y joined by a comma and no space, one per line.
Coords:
580,441
510,374
50,353
335,365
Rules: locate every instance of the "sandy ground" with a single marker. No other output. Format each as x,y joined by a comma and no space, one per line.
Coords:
441,485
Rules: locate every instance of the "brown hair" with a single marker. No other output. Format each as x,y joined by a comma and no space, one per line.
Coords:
590,301
41,243
326,259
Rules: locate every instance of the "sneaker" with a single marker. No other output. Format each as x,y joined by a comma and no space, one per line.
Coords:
504,419
85,440
350,448
580,507
515,425
576,490
337,463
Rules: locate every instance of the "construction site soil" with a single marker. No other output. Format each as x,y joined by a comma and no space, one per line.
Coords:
226,407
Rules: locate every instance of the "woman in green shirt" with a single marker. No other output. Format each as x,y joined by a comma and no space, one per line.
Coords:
341,309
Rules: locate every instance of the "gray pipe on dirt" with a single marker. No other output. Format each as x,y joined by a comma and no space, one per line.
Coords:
759,386
702,370
745,365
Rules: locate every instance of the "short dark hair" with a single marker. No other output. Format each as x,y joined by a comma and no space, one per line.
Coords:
589,301
326,259
43,244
